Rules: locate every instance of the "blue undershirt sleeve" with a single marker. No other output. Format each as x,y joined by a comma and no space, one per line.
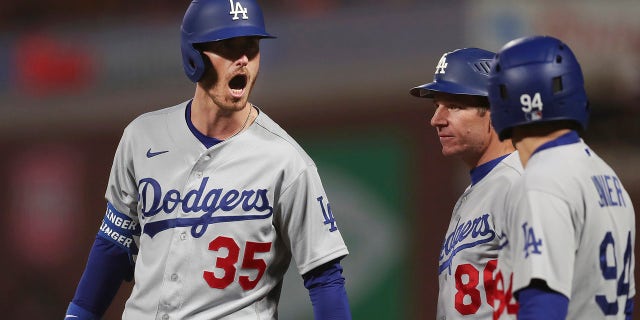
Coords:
107,266
628,309
75,312
327,292
538,301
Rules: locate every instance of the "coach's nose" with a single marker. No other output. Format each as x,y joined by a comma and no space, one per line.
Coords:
439,118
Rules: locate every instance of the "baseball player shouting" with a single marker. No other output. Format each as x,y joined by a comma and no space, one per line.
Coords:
467,262
570,224
208,200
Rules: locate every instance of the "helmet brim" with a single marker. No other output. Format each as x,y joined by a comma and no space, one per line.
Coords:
228,33
427,90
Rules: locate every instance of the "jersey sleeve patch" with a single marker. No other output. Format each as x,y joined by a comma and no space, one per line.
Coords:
120,229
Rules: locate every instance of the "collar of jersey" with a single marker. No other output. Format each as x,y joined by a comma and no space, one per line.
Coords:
207,141
482,170
567,138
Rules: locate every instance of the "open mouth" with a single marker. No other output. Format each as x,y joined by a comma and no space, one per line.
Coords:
237,84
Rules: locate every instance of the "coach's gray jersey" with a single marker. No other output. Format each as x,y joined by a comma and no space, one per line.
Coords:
572,224
467,263
217,225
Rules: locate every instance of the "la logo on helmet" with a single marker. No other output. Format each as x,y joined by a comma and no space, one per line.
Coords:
442,64
237,9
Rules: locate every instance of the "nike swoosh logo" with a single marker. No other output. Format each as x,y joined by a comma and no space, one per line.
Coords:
70,316
153,154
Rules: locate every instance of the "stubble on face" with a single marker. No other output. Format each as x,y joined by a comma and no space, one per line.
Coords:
463,126
221,96
232,72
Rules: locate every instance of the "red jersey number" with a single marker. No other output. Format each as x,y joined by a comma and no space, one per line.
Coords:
468,298
228,263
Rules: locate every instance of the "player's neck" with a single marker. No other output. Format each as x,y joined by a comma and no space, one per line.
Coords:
219,123
527,145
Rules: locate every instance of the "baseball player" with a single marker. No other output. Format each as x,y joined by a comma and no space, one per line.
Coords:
570,222
467,262
208,200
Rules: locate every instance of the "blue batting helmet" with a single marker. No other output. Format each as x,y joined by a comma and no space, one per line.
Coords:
463,71
533,80
214,20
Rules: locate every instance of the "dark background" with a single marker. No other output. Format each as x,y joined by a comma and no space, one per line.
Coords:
74,73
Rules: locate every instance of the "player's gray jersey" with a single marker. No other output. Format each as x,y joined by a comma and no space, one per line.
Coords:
218,226
467,262
571,224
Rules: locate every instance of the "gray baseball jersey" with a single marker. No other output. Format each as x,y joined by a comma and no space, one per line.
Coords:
468,259
215,228
571,223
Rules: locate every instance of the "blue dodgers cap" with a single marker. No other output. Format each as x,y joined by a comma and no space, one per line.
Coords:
215,20
536,79
463,71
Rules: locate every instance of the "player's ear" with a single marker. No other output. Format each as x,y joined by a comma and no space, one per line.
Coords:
201,48
490,128
209,76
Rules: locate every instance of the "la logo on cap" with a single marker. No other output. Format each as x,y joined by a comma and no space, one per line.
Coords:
237,9
442,64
